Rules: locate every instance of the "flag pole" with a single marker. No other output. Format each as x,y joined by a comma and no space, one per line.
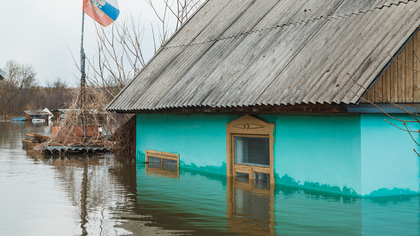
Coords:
83,80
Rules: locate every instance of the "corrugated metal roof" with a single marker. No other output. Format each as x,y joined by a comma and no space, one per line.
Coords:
2,75
37,113
273,52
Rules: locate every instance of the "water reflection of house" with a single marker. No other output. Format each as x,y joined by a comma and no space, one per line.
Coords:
250,207
261,89
213,205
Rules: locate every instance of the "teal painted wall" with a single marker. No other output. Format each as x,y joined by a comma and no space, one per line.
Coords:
348,154
199,139
389,164
321,152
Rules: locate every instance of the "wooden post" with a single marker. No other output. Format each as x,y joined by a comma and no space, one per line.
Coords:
83,82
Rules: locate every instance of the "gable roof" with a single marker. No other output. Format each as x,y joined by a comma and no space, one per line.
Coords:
273,52
2,75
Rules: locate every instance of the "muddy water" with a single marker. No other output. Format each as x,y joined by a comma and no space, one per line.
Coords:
96,195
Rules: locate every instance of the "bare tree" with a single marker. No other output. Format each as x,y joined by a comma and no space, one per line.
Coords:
55,95
120,53
171,17
18,85
119,57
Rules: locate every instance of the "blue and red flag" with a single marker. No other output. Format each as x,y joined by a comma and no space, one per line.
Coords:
103,11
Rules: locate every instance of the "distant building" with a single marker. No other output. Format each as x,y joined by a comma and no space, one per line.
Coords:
41,114
272,90
2,75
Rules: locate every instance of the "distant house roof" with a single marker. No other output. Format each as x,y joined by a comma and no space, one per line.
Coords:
38,112
2,75
235,53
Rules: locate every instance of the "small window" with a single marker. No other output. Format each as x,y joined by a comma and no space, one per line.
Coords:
162,163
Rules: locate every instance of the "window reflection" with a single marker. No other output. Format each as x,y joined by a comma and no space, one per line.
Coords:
250,208
162,167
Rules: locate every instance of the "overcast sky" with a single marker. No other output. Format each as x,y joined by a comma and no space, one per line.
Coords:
45,33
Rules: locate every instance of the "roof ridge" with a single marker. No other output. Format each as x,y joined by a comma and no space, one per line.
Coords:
328,18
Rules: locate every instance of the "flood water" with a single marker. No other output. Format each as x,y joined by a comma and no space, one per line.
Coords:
96,195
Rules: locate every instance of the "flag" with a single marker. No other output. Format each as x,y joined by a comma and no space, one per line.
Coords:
103,11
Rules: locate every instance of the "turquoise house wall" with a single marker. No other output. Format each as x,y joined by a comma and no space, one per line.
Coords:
199,139
349,154
389,164
321,152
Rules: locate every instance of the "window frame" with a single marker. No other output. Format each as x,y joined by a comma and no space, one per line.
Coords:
161,155
248,126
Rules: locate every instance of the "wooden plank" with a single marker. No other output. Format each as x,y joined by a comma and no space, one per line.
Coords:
416,63
401,79
370,94
38,136
229,145
394,81
386,89
165,155
409,82
378,90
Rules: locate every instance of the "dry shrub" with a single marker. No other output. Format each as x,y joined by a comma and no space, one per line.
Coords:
125,140
70,132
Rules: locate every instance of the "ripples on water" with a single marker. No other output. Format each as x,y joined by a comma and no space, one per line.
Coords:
88,195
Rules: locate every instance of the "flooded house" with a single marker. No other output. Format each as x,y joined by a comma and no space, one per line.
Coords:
278,91
40,115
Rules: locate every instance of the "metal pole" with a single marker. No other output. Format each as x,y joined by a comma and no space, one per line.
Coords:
83,81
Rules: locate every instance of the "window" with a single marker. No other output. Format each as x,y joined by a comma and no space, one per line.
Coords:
162,163
250,149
